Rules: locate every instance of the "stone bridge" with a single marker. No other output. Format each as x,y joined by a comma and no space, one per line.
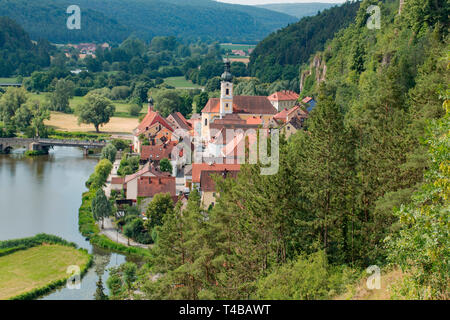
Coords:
40,144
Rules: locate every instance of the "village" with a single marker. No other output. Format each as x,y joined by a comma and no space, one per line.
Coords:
177,154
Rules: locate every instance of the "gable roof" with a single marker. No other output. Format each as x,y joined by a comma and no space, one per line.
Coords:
150,119
150,186
146,169
180,120
285,95
243,104
197,169
307,100
284,114
157,152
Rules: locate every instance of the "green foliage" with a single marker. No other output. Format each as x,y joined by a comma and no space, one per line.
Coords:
109,152
100,206
97,110
165,165
128,165
99,292
18,55
113,21
293,45
100,175
422,245
59,99
161,205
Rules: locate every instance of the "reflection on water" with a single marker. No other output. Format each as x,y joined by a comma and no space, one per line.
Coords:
42,195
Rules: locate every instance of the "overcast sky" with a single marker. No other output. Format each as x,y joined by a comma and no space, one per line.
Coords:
250,2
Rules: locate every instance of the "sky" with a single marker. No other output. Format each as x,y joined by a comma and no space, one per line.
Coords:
252,2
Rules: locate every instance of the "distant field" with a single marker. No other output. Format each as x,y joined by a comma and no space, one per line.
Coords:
25,270
232,46
69,122
8,80
181,82
122,107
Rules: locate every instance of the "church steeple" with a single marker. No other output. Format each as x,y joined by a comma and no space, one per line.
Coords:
226,91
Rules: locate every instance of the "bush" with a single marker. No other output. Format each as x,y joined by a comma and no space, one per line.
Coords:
134,110
120,93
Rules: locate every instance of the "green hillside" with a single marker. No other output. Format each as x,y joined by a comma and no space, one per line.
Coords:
281,53
298,10
18,55
114,20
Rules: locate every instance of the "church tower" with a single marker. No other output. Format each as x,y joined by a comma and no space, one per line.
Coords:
226,91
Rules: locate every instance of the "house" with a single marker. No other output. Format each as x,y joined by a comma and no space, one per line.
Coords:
292,127
153,128
134,188
208,189
232,108
283,99
178,122
155,153
198,168
287,115
310,103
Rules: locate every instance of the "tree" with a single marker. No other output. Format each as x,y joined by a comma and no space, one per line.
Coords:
59,99
421,247
101,207
99,292
109,152
165,165
97,110
161,205
101,172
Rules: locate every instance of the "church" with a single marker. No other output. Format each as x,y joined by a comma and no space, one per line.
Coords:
234,112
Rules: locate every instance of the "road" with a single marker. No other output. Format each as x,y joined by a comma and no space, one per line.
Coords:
111,232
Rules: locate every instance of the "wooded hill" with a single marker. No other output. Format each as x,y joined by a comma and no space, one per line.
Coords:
115,20
280,54
298,10
18,54
366,184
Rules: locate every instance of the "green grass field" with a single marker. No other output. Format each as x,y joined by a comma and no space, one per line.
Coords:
237,46
25,270
181,82
8,80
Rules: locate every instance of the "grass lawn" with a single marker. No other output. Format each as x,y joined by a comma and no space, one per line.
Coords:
8,80
25,270
181,82
232,46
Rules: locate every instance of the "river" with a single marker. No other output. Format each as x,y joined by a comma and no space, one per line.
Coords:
42,195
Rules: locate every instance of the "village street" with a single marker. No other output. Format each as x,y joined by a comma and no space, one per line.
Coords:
111,232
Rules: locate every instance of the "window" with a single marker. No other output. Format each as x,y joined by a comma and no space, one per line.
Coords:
228,92
206,122
226,106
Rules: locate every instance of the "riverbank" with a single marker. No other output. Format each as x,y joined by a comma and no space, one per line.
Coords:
89,229
32,267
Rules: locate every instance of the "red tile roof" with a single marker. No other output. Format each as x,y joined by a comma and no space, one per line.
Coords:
180,120
158,152
285,95
283,115
207,183
197,169
243,104
150,119
254,120
307,100
146,169
150,186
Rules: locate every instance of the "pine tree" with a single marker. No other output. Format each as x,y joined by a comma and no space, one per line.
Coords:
99,293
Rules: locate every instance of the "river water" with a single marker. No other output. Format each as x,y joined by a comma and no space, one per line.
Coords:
42,195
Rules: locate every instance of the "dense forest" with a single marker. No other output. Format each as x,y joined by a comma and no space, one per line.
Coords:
366,184
18,54
298,10
115,20
281,53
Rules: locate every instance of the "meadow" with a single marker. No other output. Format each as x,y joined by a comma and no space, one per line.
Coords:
37,267
181,83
